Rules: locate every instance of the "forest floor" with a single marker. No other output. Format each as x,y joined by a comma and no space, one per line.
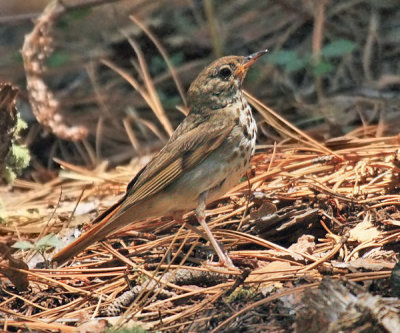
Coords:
313,229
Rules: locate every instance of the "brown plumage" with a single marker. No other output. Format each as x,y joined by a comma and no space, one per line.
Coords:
206,155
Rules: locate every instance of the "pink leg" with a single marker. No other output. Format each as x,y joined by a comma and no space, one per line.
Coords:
201,217
196,230
179,219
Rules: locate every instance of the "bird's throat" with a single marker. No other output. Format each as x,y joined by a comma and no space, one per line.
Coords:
213,100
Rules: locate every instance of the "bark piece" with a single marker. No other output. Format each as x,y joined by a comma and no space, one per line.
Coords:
8,119
346,307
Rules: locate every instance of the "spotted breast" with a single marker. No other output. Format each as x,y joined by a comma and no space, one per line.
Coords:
241,144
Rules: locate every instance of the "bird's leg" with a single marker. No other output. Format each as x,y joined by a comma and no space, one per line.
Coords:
179,219
196,230
201,217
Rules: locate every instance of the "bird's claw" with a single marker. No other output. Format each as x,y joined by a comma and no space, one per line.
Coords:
225,261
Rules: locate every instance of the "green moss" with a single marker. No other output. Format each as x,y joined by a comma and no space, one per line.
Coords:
21,125
16,161
18,157
240,294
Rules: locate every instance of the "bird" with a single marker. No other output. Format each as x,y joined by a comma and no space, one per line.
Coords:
208,154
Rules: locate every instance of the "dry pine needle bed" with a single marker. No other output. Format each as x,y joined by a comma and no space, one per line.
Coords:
313,231
301,216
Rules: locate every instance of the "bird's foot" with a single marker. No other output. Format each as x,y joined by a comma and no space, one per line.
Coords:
225,261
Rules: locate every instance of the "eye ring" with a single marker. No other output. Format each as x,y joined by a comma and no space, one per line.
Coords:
225,72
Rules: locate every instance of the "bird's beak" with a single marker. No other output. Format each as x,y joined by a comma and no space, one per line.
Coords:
248,61
252,58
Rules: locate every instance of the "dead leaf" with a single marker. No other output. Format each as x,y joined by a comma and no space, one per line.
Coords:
267,208
305,244
93,326
364,231
271,270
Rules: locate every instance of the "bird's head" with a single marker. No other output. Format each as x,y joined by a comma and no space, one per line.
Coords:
217,85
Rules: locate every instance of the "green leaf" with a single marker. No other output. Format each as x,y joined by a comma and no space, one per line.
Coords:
17,57
338,48
79,13
177,58
322,68
57,59
23,245
296,65
282,57
55,242
72,16
49,240
43,241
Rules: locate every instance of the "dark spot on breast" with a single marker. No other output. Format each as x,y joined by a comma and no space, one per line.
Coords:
248,120
237,120
235,155
242,153
245,131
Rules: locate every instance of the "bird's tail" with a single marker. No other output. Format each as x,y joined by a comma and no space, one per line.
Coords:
93,235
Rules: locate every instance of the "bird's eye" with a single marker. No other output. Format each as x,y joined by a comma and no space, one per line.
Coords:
225,72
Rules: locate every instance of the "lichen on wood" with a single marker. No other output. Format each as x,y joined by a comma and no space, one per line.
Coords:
13,157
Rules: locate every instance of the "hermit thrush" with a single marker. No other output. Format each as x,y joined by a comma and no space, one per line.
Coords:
207,155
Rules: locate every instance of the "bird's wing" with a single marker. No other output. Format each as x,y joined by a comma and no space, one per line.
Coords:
178,156
183,152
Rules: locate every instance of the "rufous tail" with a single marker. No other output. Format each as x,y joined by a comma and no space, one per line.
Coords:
91,236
